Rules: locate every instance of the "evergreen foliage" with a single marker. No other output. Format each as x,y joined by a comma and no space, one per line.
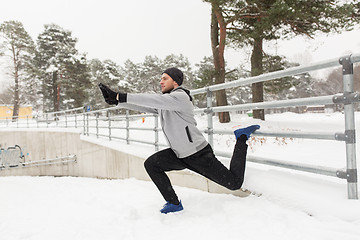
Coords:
62,70
18,47
250,22
145,77
108,73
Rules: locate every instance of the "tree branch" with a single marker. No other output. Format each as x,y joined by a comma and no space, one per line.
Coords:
296,28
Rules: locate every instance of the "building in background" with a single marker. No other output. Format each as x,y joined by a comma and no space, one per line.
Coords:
6,112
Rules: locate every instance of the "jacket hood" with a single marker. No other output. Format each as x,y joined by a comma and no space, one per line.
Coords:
185,90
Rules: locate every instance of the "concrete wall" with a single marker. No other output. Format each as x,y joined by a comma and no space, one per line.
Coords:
93,160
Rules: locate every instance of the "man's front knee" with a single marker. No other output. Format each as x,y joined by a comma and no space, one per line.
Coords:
148,164
151,163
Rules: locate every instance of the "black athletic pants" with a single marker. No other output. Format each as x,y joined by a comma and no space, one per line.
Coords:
203,162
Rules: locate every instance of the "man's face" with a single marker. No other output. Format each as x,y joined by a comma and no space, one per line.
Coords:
167,83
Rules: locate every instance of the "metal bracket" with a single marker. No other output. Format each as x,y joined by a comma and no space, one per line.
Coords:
349,136
208,110
209,130
347,98
347,65
350,175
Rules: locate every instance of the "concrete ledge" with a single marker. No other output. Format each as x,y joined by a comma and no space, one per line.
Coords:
95,159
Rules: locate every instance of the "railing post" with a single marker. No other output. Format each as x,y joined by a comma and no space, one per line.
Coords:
209,113
109,120
87,124
127,127
350,136
66,123
97,124
156,132
84,123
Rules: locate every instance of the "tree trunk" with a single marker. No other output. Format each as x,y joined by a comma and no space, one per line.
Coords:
16,97
16,90
219,61
257,69
55,91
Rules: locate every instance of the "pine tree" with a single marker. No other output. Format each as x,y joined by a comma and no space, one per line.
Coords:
252,22
75,83
18,46
62,70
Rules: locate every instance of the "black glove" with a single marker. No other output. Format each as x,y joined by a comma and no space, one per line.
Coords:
110,95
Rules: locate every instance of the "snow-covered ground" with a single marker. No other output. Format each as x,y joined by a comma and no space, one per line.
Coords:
42,208
287,204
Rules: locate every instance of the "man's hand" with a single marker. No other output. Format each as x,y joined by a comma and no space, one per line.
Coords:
109,95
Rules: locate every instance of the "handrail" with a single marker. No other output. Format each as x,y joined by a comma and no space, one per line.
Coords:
354,58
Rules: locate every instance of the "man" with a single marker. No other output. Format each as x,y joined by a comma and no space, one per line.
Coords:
188,147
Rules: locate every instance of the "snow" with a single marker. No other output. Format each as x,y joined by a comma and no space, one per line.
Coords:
36,208
285,204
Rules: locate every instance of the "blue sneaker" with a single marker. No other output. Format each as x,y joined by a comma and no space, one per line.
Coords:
246,131
169,207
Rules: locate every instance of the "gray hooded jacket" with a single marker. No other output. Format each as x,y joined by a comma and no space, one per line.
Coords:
176,112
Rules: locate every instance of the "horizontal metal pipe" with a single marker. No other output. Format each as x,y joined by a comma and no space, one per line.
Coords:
274,104
64,111
141,141
123,128
130,139
304,135
146,129
51,163
122,117
52,159
66,159
114,127
102,110
102,135
332,172
275,75
355,58
101,127
114,137
106,119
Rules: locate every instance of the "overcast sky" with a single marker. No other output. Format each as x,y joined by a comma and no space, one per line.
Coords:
132,29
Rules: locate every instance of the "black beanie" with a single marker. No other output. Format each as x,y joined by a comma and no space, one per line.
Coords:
176,74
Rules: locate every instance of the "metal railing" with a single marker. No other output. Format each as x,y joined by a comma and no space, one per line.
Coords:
44,162
118,126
